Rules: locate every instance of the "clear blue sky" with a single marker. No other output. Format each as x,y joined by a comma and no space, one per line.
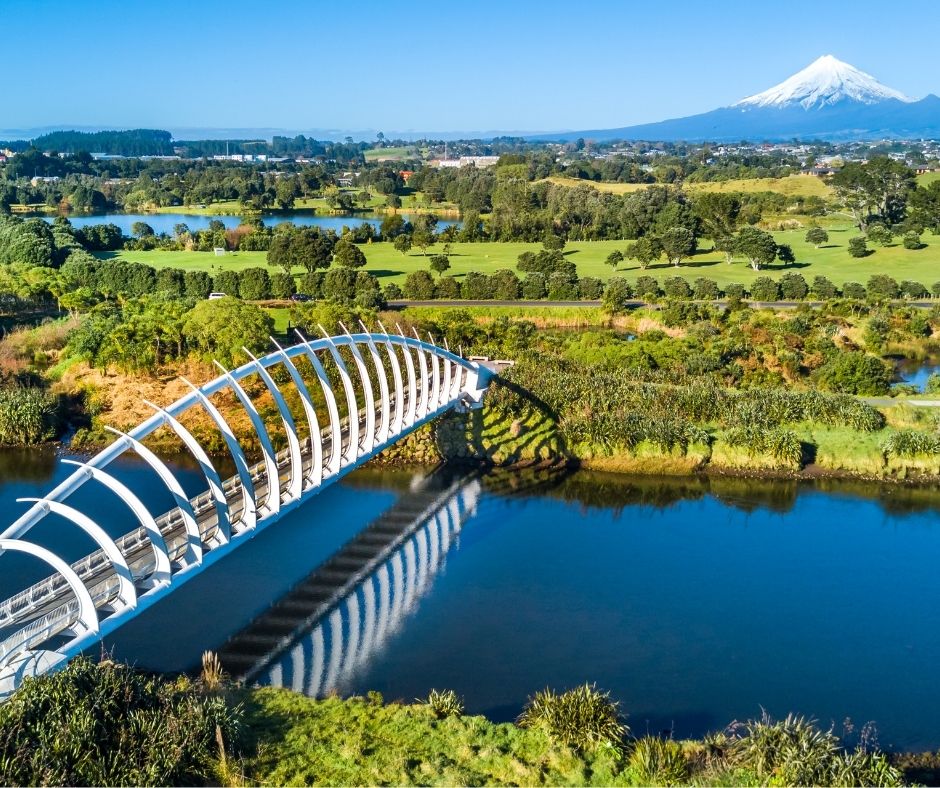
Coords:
471,65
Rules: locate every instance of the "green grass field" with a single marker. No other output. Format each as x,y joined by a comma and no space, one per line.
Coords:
798,185
832,260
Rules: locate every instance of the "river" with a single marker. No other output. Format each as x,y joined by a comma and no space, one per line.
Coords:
165,222
694,601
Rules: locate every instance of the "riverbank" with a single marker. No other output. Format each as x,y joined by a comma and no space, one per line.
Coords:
238,736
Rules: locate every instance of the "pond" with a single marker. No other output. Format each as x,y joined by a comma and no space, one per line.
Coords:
165,222
694,601
917,373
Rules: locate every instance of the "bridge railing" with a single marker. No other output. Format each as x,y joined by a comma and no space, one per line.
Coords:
417,380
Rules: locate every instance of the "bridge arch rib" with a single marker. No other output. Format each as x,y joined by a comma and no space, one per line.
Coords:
167,550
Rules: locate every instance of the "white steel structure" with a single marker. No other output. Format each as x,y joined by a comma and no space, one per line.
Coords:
80,603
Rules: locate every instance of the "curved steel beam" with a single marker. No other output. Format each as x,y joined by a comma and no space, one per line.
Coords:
435,379
162,571
352,409
368,439
249,512
423,363
193,537
223,516
127,596
313,423
295,486
336,430
399,419
384,396
412,383
87,614
272,476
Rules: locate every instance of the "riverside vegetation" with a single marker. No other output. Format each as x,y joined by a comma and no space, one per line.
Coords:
107,724
673,390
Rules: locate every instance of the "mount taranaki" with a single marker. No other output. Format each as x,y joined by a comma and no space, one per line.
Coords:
828,100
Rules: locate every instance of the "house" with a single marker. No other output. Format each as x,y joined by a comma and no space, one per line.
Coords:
819,172
921,169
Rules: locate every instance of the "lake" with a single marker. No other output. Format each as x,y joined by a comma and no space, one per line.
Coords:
164,222
694,601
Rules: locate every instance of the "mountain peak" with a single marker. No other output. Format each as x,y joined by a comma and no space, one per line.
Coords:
824,82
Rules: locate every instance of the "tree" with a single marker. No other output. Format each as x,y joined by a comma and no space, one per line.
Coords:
614,259
505,285
765,289
882,288
402,243
348,255
170,281
678,243
676,287
282,285
254,284
222,327
855,372
285,192
824,288
197,284
718,213
793,287
728,245
419,286
617,296
142,230
880,234
392,226
912,240
817,236
440,263
339,285
422,237
226,282
552,242
758,246
647,287
644,251
705,289
858,247
534,286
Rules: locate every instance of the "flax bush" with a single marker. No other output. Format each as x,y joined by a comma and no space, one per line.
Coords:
582,718
106,724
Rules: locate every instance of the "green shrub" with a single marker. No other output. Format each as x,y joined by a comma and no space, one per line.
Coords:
765,289
28,415
793,751
781,444
911,444
912,240
854,291
855,373
858,247
655,761
582,718
105,724
445,703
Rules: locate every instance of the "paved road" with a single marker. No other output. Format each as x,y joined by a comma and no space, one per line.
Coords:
887,402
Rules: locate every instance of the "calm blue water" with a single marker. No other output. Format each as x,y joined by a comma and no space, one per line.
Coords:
916,373
694,602
164,222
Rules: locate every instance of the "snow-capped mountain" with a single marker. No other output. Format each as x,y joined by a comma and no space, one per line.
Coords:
828,99
824,82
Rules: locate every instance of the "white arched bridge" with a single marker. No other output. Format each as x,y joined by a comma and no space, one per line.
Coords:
355,394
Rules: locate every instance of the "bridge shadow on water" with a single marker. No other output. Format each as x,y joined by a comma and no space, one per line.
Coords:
331,623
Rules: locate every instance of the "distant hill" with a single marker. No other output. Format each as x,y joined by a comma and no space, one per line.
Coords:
135,142
828,100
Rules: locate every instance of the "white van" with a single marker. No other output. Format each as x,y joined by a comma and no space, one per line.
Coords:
213,296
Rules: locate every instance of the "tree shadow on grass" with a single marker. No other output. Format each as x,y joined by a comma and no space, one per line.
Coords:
383,272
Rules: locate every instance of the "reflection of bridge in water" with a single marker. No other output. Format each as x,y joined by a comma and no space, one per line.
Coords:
315,638
334,620
55,618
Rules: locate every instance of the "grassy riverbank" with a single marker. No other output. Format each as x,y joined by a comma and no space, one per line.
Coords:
108,725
